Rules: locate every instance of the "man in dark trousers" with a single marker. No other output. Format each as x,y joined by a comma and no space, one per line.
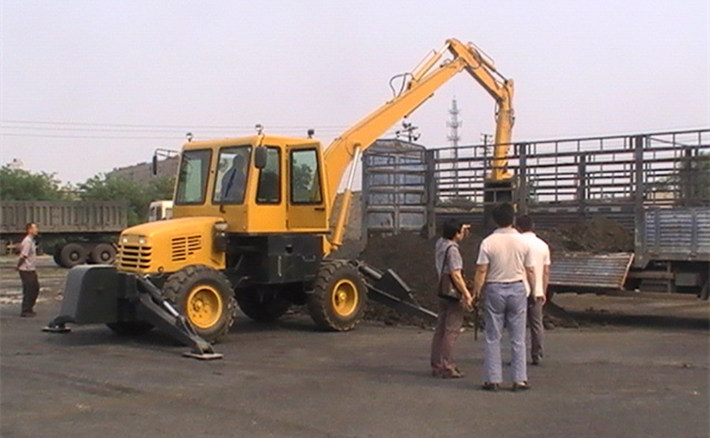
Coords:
448,262
504,261
27,267
538,296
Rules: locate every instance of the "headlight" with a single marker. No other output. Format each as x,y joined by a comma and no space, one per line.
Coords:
142,240
221,226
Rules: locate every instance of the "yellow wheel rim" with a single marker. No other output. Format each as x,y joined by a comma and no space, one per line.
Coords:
204,306
345,297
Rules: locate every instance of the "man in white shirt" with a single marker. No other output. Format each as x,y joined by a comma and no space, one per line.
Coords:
541,257
503,264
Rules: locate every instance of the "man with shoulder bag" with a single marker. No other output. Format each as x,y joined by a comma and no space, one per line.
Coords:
454,299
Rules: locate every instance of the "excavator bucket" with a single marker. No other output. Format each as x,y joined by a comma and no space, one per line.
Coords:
389,289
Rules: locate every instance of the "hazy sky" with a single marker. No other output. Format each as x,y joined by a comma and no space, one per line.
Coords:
87,86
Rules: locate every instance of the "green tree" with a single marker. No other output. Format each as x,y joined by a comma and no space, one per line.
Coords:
23,185
139,196
691,180
694,180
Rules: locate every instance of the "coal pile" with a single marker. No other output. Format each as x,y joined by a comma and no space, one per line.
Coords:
596,235
412,258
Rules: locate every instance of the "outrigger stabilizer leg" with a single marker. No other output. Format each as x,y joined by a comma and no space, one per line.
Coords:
99,294
155,309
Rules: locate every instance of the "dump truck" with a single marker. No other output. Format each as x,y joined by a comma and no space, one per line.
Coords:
73,232
250,227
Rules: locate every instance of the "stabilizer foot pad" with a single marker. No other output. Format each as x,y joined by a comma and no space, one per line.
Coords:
203,356
56,329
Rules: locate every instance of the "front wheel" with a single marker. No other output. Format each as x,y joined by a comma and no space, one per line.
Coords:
339,296
205,297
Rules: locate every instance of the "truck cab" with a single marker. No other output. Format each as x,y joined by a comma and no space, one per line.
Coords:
160,210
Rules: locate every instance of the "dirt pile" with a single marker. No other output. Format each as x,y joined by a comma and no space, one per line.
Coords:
595,235
412,257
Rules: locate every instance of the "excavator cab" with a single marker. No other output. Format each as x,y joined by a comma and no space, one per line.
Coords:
259,184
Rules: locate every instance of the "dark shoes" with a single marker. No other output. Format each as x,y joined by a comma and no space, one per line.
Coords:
520,386
488,386
29,314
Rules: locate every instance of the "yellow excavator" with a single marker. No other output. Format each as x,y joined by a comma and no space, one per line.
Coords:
251,228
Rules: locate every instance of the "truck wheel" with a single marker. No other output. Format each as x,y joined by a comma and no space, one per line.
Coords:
72,254
205,297
55,256
339,297
134,328
262,304
103,254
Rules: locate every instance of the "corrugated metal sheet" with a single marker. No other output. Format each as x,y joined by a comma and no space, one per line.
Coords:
587,270
678,233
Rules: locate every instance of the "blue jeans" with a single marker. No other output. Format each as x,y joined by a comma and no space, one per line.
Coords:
505,305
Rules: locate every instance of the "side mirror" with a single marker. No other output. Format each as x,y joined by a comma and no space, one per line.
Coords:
260,157
155,164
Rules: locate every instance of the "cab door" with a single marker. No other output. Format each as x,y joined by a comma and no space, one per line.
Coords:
306,209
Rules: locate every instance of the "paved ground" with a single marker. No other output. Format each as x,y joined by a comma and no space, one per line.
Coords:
620,379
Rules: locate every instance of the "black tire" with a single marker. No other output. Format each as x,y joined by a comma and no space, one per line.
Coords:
72,254
205,297
55,256
103,254
339,296
125,328
262,304
705,291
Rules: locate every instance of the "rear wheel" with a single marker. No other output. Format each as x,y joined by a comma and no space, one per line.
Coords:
103,254
339,296
205,297
263,304
72,254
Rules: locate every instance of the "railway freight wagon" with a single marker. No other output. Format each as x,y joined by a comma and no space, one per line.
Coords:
73,232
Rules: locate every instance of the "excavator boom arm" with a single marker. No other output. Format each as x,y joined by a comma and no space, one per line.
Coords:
424,81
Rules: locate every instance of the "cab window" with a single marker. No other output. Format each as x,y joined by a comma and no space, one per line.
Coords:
192,177
232,171
269,190
305,177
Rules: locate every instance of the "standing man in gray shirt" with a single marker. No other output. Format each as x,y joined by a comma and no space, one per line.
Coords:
448,262
504,261
27,267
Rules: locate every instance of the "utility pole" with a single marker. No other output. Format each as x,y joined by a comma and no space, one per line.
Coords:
454,124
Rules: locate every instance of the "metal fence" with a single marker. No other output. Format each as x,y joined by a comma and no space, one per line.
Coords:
559,181
656,169
565,180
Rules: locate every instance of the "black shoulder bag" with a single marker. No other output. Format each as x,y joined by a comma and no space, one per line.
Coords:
447,289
